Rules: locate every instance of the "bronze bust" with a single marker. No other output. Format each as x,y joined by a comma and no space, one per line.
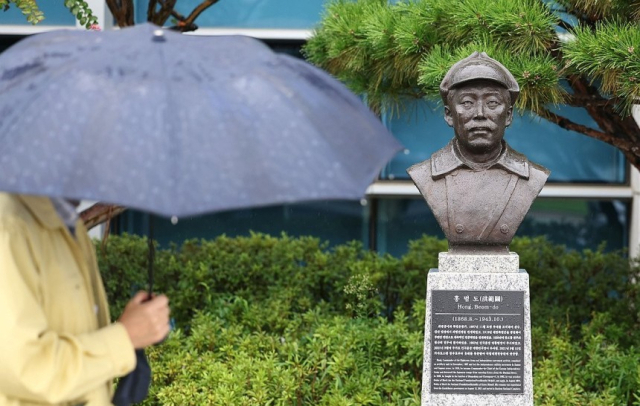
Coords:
479,188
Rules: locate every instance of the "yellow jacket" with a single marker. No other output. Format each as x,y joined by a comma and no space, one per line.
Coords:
57,346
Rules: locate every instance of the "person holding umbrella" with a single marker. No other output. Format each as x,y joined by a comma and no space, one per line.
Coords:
57,344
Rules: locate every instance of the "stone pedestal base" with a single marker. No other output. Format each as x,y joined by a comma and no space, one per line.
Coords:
477,349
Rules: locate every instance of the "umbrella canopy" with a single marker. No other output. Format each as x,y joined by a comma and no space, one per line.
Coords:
180,125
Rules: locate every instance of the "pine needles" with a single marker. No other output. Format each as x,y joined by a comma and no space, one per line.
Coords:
390,51
610,56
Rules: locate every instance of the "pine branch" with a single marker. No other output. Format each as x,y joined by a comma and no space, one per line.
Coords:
99,213
177,16
127,9
580,84
587,101
122,11
565,25
181,26
189,21
584,89
567,124
580,14
162,15
587,20
114,8
151,10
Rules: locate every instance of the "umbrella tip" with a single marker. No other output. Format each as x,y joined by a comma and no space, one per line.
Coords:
158,35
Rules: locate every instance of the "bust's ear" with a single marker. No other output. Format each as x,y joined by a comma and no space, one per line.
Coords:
509,116
447,116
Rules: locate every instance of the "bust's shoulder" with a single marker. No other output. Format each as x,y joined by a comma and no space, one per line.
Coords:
538,175
441,162
420,169
432,189
520,164
538,170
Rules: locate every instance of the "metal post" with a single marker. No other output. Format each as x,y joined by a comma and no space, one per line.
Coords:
634,229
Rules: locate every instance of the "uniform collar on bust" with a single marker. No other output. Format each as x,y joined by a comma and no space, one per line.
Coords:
446,160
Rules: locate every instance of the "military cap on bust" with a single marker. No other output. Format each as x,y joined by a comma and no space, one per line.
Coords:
479,66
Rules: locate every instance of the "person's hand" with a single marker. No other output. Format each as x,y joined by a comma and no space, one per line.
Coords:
146,321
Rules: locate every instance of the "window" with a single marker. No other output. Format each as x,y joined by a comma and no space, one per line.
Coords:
335,221
577,223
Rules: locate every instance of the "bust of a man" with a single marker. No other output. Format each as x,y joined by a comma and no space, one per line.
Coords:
479,188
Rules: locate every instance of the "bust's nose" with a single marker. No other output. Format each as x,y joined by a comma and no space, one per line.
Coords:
479,110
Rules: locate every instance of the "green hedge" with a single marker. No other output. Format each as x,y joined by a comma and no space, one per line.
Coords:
287,321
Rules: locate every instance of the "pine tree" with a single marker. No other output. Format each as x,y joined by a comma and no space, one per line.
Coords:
582,53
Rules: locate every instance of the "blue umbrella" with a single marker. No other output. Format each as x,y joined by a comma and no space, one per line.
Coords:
180,125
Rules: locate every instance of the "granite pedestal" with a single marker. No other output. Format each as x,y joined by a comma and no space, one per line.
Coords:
477,349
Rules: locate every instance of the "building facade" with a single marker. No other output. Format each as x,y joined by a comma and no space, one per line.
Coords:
592,196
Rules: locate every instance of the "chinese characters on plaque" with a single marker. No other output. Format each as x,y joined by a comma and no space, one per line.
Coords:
477,342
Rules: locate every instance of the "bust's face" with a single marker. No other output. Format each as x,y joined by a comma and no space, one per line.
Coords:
479,111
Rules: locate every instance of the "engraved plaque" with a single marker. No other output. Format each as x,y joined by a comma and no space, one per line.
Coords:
477,342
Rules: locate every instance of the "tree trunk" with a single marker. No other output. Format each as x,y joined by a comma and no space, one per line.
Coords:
122,11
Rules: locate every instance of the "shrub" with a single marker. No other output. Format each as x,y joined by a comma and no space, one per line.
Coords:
569,287
591,371
318,360
287,321
299,271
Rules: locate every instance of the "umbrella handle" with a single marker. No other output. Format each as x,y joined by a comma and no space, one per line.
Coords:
152,255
